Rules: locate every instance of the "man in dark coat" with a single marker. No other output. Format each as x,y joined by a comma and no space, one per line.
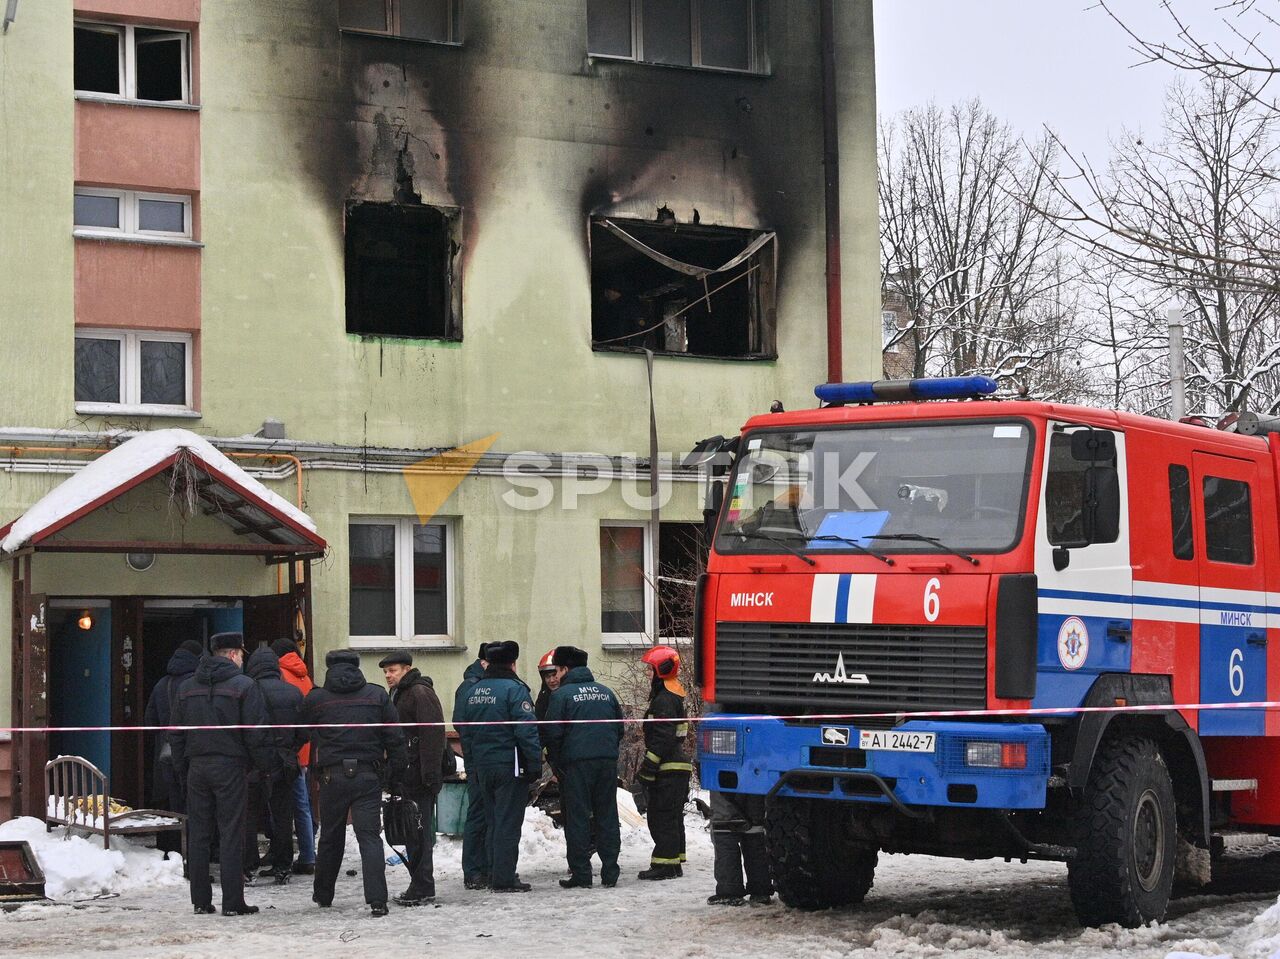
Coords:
587,756
666,768
475,848
504,758
351,760
214,764
415,699
165,790
737,836
275,791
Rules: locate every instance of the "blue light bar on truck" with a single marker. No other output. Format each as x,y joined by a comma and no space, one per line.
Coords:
925,388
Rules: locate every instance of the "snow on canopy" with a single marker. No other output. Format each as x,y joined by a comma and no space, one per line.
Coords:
137,458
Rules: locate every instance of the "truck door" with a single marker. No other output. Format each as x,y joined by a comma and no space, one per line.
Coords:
1233,618
1083,568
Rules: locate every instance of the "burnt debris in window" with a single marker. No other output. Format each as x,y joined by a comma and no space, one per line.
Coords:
401,261
663,286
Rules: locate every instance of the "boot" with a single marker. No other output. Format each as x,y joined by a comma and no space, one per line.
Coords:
574,883
476,882
413,897
517,886
377,909
241,910
205,910
655,873
718,900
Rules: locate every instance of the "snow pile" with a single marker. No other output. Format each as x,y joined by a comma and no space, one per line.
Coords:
1261,940
76,867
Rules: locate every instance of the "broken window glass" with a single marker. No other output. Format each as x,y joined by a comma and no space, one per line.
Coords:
679,563
400,262
98,59
609,28
162,370
160,63
682,289
97,370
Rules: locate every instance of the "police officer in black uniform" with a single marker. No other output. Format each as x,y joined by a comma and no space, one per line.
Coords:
504,758
586,754
351,762
215,763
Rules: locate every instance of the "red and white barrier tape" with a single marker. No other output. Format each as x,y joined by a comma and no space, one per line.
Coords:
718,717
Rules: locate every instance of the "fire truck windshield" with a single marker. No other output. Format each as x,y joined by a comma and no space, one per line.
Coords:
936,488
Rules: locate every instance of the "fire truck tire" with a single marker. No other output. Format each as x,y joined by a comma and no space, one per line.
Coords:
814,864
1126,837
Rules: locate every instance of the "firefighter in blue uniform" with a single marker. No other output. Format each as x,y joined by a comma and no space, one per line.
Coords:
475,847
504,758
666,768
586,756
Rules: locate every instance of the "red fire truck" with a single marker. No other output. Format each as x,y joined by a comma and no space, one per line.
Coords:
915,547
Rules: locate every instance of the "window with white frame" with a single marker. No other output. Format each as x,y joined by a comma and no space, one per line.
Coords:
629,609
107,212
401,580
132,62
438,21
711,34
889,331
140,370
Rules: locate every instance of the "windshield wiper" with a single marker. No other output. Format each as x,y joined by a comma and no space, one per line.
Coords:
781,542
832,538
921,538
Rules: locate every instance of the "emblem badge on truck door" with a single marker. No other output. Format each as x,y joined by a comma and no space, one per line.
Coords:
840,677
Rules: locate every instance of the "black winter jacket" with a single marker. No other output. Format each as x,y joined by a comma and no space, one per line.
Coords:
283,701
581,697
182,666
664,742
416,701
219,694
347,698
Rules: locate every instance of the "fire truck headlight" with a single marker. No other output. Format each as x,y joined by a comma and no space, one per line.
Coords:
720,742
996,755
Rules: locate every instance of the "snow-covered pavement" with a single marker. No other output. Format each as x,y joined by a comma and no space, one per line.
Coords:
920,907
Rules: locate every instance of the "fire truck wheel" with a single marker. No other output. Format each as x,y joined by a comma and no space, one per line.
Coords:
814,864
1126,837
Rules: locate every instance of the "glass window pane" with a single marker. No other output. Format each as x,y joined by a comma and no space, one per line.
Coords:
163,216
622,579
1228,521
666,31
158,60
609,27
679,563
363,14
97,211
725,33
163,371
1180,512
97,370
373,579
97,60
430,585
425,19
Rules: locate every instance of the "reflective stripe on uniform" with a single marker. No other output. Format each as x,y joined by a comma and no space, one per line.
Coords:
676,768
653,757
682,730
655,861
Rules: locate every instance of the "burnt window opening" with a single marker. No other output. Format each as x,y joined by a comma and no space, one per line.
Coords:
401,271
436,21
706,34
680,562
695,291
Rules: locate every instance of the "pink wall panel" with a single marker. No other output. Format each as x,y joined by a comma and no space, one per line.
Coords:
146,148
149,11
136,285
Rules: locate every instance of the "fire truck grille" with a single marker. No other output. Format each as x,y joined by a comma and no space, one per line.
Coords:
820,667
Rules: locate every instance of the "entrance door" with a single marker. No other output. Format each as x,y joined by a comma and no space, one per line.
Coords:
1233,618
266,619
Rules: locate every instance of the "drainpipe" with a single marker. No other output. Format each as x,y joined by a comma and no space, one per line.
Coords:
831,168
1177,367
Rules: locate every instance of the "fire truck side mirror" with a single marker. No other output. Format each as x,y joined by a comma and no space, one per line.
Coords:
1061,558
1093,446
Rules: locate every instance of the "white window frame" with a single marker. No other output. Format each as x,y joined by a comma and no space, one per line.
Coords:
131,372
129,216
394,27
892,343
404,635
128,59
646,638
695,41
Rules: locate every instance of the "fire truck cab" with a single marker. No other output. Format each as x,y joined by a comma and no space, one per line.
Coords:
912,549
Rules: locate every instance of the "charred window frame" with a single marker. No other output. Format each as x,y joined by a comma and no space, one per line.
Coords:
427,21
683,289
402,271
698,34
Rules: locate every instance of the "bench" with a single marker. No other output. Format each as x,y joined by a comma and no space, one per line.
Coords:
80,798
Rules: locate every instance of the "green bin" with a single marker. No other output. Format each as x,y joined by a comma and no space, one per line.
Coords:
451,808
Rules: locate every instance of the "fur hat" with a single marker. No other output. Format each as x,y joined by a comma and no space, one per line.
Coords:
569,657
502,654
219,641
335,656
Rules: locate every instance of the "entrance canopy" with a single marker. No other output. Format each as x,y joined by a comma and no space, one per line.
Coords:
198,476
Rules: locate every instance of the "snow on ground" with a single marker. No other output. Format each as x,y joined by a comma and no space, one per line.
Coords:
920,908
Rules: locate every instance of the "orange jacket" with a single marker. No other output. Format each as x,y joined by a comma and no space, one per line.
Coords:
294,672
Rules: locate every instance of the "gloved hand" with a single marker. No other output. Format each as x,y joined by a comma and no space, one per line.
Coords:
531,772
648,770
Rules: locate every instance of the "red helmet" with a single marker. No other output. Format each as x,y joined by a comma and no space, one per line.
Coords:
664,660
545,664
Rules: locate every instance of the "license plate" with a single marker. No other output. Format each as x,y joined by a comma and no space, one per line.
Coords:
896,741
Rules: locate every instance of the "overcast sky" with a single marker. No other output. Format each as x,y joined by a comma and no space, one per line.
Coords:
1032,62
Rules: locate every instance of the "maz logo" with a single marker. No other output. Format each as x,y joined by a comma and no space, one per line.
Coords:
840,677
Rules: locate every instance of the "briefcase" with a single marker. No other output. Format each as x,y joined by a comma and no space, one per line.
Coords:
400,820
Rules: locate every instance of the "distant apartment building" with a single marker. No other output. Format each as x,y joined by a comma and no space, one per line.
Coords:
379,254
898,344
